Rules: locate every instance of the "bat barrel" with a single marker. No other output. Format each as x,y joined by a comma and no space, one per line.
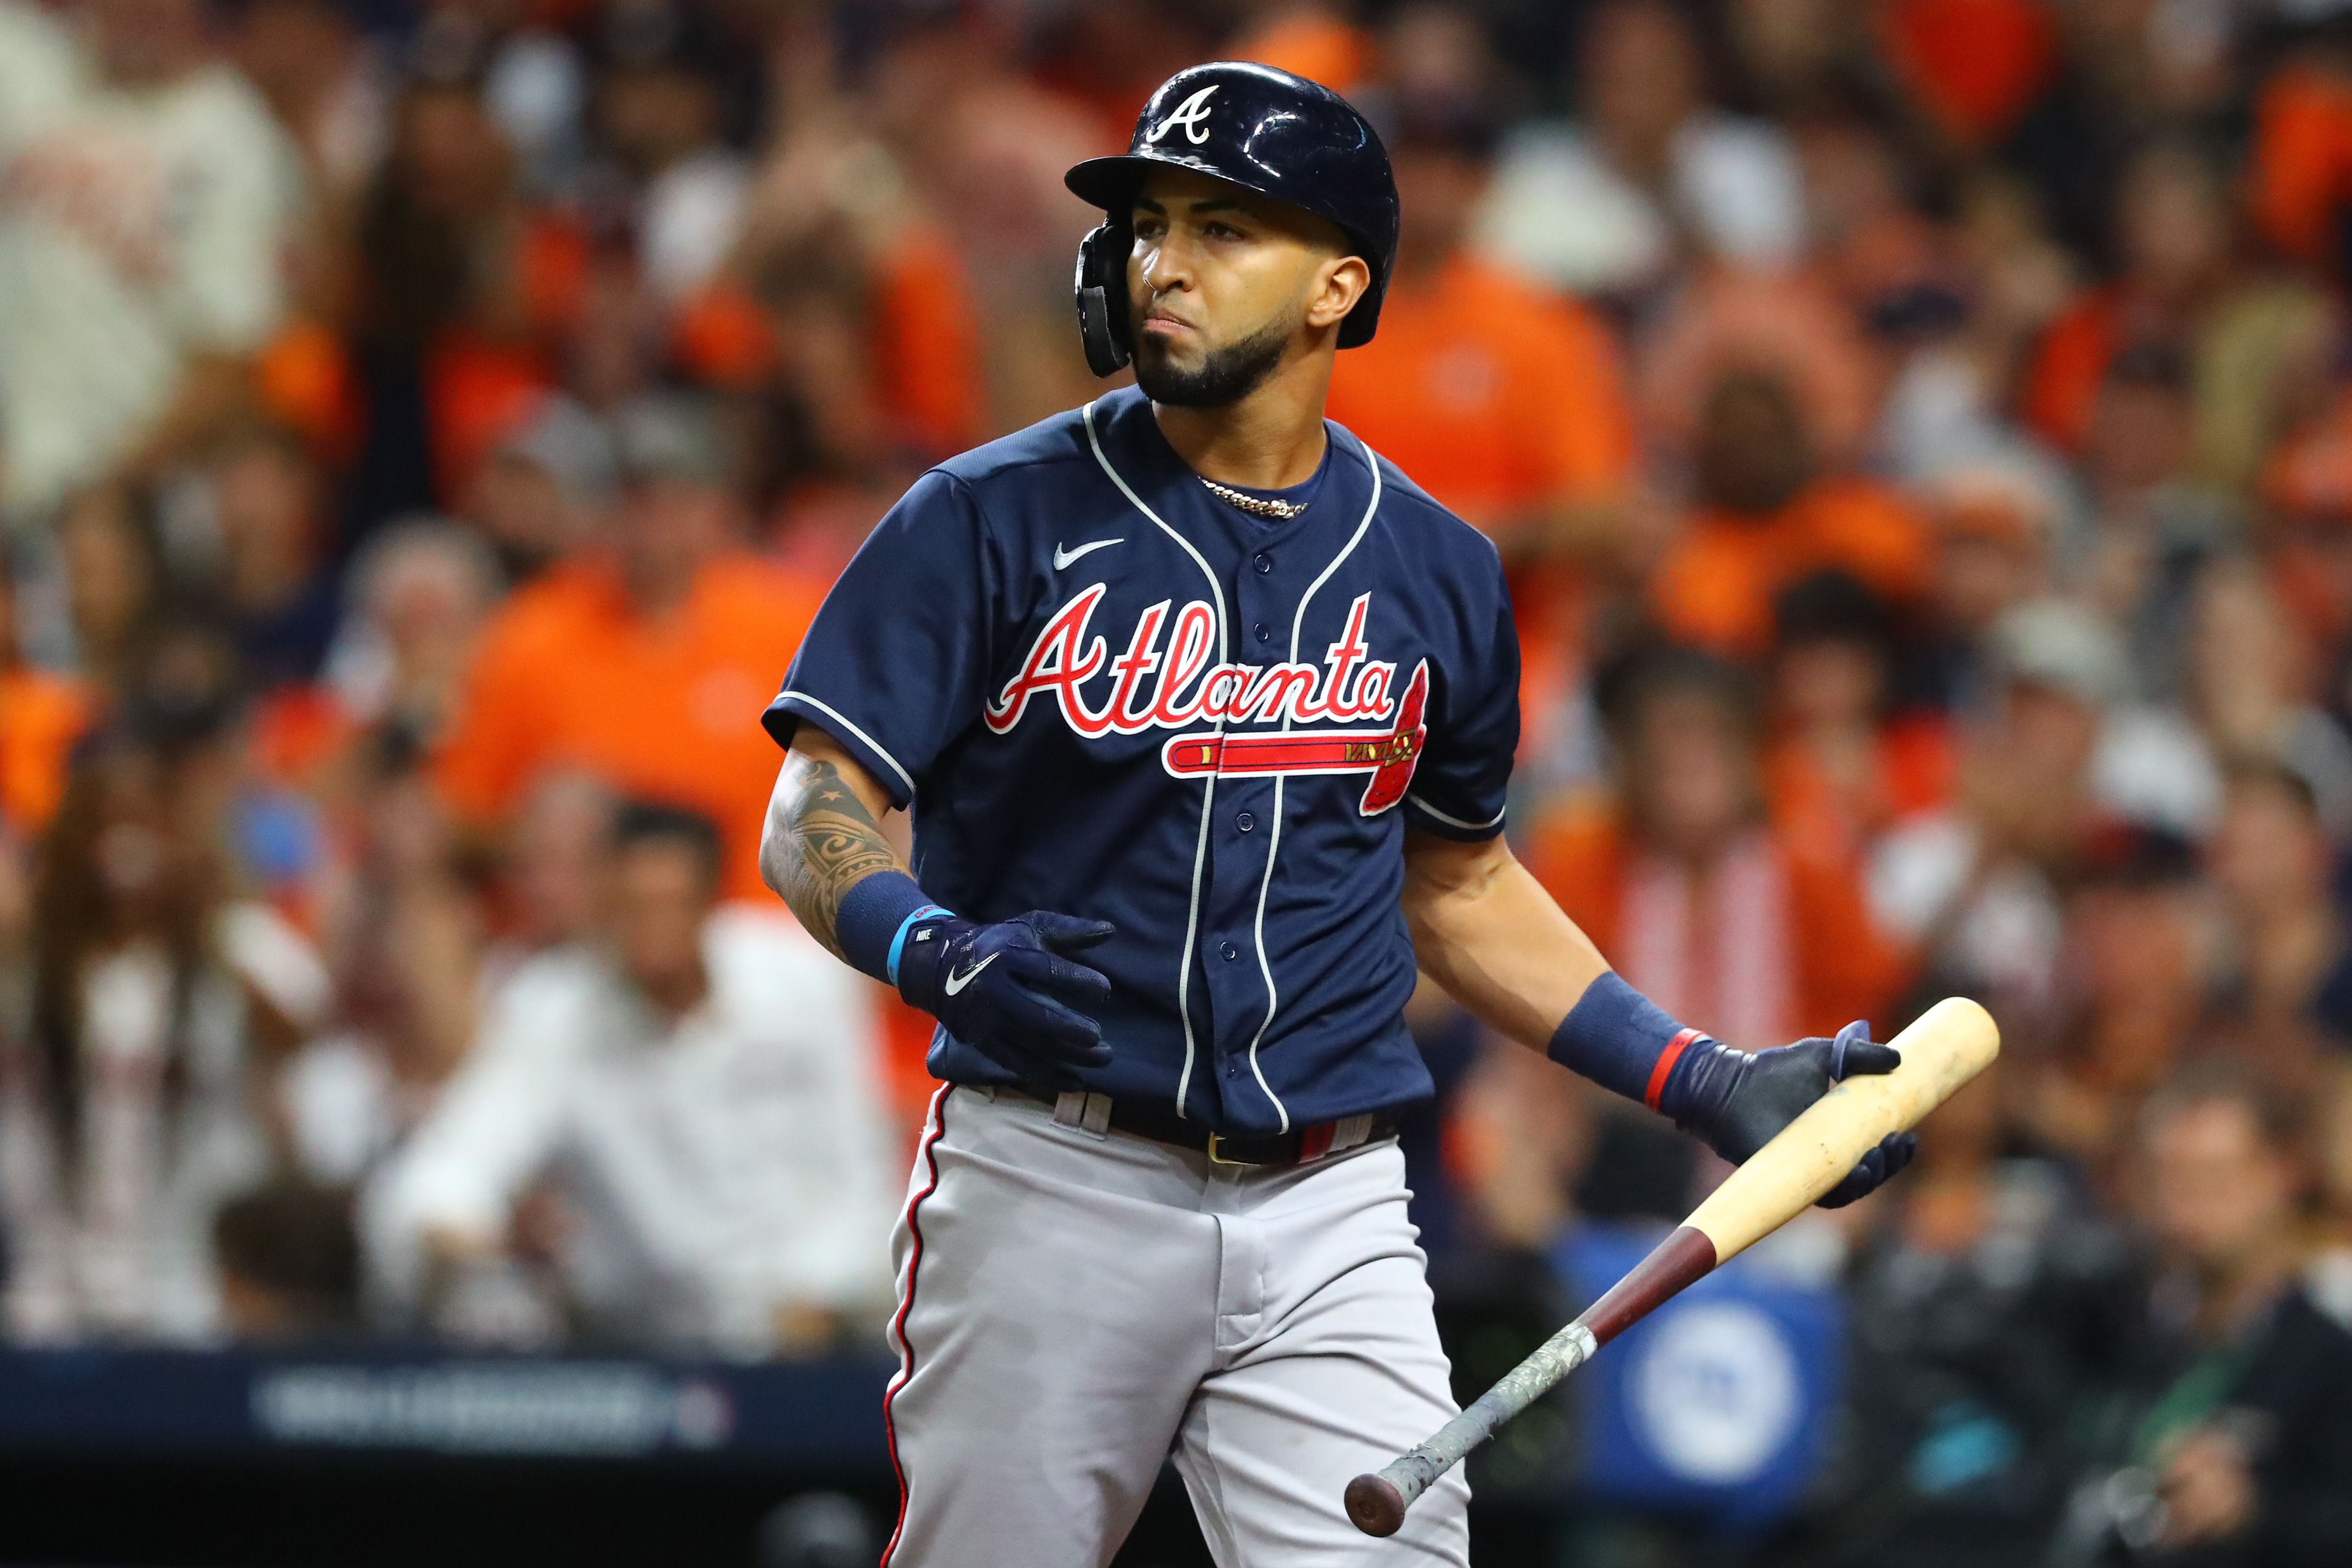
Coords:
1944,1048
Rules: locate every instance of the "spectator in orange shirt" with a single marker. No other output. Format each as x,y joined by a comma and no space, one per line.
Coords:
1993,524
2171,239
2245,334
1768,516
2299,169
41,716
2306,540
1504,401
1684,884
1842,765
645,662
1317,41
415,601
1977,66
867,300
462,294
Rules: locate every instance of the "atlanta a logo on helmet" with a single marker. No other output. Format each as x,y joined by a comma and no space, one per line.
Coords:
1189,685
1192,114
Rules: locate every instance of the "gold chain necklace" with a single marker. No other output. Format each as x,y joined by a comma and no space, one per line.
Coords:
1258,504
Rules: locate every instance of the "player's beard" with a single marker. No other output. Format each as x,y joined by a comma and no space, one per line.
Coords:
1226,376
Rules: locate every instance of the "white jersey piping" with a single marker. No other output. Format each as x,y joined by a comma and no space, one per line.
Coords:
1493,821
1274,844
1209,788
834,714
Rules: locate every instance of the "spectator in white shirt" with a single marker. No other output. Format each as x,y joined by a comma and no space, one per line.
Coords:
700,1088
40,69
132,1110
660,110
141,215
1654,177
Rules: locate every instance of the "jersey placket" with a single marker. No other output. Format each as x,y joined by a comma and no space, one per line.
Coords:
1244,985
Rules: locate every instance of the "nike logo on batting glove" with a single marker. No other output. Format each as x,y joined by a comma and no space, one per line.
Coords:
956,983
1031,1014
1063,559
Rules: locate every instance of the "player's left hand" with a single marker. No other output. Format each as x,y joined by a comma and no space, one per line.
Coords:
1738,1101
1005,989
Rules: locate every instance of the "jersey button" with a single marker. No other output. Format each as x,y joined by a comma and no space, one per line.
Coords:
1229,950
1264,633
1245,821
1263,561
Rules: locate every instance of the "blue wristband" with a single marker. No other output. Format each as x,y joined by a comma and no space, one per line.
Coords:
873,919
1621,1040
898,942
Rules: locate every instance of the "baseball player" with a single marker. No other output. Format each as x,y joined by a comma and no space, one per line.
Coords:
1205,714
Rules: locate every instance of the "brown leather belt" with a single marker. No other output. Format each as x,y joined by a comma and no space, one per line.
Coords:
1159,1123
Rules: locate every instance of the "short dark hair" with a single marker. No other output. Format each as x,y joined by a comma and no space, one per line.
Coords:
2280,1115
1829,606
297,1242
2156,365
1625,687
640,823
1455,124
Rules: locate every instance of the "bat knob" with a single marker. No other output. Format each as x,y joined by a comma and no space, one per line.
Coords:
1375,1506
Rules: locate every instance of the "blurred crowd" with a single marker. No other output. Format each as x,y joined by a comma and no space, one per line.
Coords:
1919,433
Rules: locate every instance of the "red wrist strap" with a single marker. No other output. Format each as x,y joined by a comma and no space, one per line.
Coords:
1664,1067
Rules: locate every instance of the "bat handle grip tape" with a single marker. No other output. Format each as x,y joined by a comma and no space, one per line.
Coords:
1377,1502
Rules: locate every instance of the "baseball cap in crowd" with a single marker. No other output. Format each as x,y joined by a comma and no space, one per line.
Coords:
669,436
1830,606
2008,502
571,446
2120,852
2061,647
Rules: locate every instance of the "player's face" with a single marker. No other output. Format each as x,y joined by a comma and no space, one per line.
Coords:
1224,283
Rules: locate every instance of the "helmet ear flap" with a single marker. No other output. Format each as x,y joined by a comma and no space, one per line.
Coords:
1102,297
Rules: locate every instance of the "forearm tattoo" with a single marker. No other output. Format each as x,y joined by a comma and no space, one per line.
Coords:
838,845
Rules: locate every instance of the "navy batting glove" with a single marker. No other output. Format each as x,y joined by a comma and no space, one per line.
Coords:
1739,1102
1005,990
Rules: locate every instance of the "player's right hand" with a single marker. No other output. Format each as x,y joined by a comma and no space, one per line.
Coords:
1006,989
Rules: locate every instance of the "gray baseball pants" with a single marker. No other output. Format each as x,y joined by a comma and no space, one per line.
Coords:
1076,1307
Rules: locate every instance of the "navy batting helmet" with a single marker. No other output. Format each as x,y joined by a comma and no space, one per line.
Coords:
1259,128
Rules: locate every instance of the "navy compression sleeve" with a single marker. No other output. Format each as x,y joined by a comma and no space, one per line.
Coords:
873,919
1624,1042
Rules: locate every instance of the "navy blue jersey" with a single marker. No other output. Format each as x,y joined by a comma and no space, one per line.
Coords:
1103,690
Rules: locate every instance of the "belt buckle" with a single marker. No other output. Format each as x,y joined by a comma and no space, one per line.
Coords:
1217,1159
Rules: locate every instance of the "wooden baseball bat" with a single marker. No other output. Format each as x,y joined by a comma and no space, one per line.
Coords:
1951,1043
